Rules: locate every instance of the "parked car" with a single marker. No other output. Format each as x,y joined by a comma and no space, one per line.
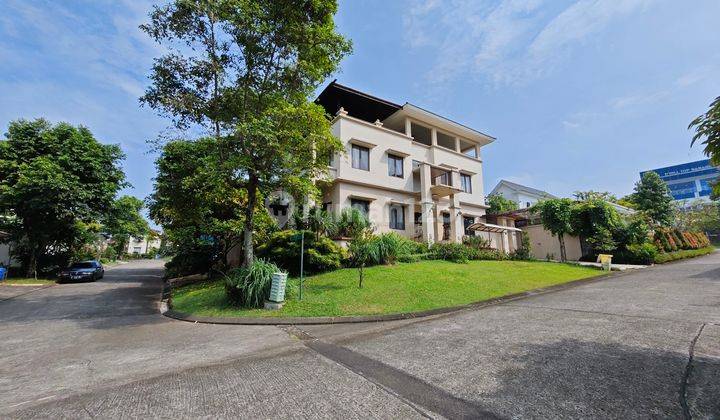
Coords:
83,271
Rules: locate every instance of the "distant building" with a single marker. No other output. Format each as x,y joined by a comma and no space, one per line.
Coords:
524,196
688,181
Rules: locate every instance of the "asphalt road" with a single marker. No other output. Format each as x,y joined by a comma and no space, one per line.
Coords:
645,344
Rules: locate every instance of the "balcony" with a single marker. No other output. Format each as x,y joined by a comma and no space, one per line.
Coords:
442,183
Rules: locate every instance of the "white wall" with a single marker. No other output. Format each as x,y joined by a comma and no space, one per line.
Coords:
543,243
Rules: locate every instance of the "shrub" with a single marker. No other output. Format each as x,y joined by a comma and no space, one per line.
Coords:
641,253
189,262
412,258
321,253
452,252
109,254
477,242
351,223
250,286
523,251
678,255
390,246
362,252
491,255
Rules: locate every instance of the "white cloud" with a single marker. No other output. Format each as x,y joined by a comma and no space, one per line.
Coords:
642,99
505,41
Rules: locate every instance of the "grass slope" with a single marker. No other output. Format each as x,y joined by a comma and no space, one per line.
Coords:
391,289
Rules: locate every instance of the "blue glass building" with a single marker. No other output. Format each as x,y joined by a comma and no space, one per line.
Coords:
688,181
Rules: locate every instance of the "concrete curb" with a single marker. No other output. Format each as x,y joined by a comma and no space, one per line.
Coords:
166,308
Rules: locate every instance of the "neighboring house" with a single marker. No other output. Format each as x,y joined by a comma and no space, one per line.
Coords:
143,245
411,171
525,197
542,243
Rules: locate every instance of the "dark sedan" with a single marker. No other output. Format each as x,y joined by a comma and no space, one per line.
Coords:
83,271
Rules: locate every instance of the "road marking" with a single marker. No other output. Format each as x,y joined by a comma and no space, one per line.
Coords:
413,391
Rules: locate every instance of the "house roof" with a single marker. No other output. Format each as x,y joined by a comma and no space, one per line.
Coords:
357,104
521,188
370,108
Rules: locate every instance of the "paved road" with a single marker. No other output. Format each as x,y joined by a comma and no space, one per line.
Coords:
645,344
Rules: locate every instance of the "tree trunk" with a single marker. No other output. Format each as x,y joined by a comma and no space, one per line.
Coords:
361,275
249,213
32,262
563,256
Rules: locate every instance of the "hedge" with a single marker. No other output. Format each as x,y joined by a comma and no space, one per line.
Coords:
679,255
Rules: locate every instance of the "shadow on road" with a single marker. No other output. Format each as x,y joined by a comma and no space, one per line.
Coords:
606,380
127,295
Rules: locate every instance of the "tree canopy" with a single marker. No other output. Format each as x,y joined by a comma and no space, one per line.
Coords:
125,220
499,204
56,181
245,70
594,195
652,198
556,216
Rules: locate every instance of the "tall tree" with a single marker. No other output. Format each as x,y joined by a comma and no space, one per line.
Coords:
499,204
124,220
652,198
595,220
556,216
594,195
54,179
199,210
249,72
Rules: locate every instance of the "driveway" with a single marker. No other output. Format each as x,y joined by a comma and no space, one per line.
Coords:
644,344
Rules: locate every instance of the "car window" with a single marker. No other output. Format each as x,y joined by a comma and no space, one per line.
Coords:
83,265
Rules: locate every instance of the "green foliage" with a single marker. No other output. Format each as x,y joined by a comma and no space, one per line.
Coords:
388,247
707,129
454,252
190,261
321,253
489,255
54,181
124,220
477,242
351,223
524,251
644,253
652,198
594,195
595,220
556,216
245,70
250,286
200,211
679,255
362,252
499,204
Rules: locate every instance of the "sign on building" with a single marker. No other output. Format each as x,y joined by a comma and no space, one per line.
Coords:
688,180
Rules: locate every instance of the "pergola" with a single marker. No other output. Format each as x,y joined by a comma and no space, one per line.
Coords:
489,227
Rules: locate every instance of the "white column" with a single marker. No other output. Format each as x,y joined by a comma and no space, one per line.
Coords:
457,229
408,127
457,145
426,205
433,136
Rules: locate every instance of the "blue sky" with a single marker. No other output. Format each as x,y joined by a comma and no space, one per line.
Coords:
581,94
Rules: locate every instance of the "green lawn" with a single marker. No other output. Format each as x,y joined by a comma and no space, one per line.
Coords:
391,289
26,281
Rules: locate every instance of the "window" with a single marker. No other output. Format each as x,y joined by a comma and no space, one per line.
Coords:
360,157
326,206
362,205
397,217
418,218
527,204
466,183
395,166
467,221
136,250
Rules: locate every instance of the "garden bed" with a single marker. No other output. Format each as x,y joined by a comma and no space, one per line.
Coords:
679,255
400,288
